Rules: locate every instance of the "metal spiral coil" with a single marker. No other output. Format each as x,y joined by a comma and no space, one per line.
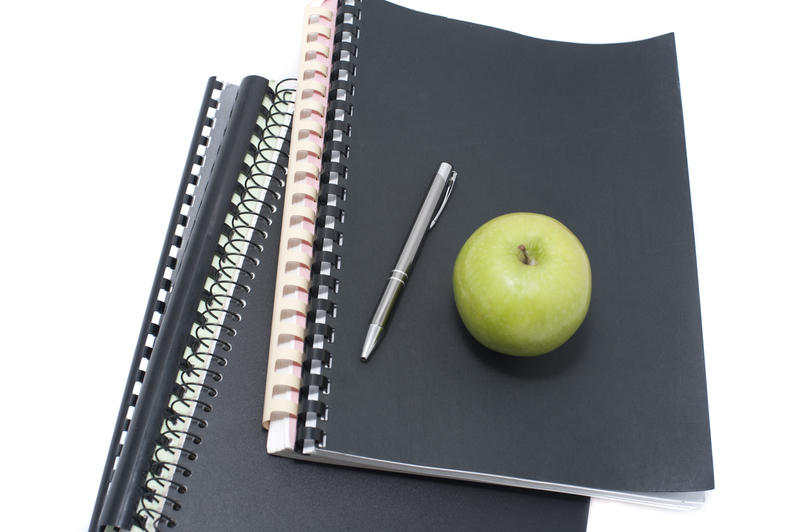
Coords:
330,217
220,305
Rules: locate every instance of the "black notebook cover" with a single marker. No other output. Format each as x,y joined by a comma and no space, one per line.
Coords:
591,135
225,480
236,485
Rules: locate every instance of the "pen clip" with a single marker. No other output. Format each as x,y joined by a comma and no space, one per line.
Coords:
451,181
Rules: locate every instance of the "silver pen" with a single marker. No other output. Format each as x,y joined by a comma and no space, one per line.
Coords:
441,188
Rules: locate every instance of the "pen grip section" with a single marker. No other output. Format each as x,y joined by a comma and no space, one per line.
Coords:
394,285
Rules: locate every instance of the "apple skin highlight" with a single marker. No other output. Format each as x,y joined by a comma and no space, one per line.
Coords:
522,284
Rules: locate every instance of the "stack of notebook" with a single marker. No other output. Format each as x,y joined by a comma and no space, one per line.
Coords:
294,203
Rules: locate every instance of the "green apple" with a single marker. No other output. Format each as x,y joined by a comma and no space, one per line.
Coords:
522,284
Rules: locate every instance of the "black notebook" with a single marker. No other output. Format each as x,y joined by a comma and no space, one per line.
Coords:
591,135
187,451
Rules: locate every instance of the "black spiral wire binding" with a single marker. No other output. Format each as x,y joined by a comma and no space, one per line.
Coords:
218,311
328,238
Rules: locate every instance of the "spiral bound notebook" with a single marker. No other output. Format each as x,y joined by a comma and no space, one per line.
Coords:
589,134
187,451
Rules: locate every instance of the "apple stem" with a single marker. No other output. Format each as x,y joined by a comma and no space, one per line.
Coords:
525,258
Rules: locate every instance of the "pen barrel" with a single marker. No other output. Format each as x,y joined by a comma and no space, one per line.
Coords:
399,275
422,221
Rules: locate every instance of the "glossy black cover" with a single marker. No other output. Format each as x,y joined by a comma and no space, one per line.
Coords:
591,135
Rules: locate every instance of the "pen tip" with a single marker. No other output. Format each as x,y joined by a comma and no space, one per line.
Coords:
366,351
373,335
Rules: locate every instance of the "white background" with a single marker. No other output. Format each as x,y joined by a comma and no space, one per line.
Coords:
99,101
